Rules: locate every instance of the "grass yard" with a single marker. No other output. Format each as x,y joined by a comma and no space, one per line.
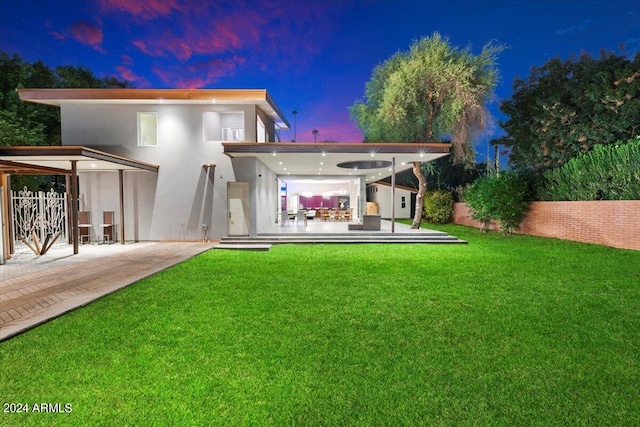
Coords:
520,331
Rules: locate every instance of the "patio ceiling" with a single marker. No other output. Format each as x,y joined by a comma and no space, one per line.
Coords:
57,160
320,160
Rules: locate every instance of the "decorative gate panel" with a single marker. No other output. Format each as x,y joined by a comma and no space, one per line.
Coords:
38,214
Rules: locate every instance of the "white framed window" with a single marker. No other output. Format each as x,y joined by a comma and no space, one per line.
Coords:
233,134
148,129
262,131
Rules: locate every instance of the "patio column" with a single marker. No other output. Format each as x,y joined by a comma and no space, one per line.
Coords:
393,195
67,186
10,216
74,204
121,183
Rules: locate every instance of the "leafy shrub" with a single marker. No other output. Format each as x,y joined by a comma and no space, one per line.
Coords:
438,206
608,172
504,198
479,197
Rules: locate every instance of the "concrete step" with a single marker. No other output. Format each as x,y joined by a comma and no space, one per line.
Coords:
243,246
357,234
262,240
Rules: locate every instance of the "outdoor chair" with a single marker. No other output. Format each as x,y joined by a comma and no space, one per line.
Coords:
108,227
84,226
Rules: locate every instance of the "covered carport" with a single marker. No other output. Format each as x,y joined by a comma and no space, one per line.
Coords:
67,161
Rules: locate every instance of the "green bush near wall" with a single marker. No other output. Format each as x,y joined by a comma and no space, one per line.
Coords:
504,198
438,207
608,172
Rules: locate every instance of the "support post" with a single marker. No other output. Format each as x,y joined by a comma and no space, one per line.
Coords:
121,184
67,181
10,217
74,205
393,195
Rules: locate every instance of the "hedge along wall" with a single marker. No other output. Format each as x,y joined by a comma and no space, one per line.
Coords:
609,223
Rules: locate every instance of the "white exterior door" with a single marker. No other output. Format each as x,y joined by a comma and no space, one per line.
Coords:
238,207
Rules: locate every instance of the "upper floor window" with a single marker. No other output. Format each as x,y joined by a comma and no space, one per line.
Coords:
232,134
261,130
148,129
223,126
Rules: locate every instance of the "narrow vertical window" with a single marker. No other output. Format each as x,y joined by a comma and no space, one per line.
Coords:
148,129
262,131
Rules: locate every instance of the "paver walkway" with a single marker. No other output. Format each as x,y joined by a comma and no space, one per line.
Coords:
32,293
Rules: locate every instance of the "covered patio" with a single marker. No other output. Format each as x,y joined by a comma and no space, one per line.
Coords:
67,161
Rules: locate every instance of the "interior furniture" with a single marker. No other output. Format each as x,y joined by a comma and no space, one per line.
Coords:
302,216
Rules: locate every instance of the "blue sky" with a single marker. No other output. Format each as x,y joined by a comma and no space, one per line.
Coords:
313,56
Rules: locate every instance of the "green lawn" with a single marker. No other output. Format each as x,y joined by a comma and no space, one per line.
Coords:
520,331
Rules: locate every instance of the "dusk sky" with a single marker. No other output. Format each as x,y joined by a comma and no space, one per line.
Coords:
313,56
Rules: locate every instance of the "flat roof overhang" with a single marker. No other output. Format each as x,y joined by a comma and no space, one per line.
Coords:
58,97
56,160
320,160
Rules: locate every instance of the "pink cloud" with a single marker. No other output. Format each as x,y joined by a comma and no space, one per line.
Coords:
271,35
88,34
330,116
147,9
204,36
126,59
334,131
200,73
129,76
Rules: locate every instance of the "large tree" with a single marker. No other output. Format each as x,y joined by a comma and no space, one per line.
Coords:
26,123
434,89
565,108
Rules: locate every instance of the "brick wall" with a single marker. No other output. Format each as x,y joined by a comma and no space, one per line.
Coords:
609,223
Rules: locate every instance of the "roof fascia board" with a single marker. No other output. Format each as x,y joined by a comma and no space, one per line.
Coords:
76,151
312,147
18,168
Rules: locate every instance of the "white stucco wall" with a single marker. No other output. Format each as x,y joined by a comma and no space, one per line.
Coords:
174,203
381,194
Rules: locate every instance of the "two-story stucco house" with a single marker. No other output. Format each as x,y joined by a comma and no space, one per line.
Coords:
210,159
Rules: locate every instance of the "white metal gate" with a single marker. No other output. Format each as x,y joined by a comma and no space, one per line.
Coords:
37,215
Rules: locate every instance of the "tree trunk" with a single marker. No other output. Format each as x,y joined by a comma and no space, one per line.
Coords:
422,189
